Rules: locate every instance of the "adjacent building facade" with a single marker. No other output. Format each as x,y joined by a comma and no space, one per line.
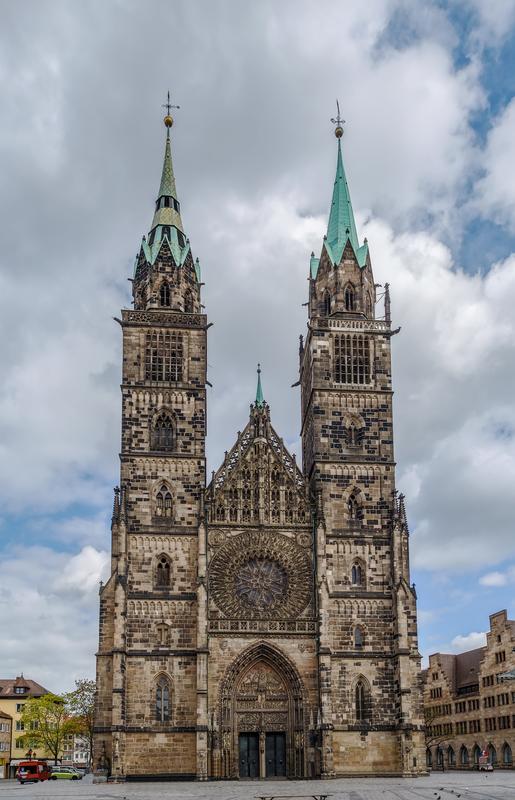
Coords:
261,623
14,692
5,743
469,702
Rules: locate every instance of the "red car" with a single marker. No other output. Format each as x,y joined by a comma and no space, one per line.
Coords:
32,771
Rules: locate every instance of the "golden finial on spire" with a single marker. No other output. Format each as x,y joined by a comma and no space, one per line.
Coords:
339,122
168,120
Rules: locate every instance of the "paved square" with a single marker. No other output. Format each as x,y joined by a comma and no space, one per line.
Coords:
449,786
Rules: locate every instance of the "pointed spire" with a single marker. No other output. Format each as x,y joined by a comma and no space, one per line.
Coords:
167,205
260,400
342,225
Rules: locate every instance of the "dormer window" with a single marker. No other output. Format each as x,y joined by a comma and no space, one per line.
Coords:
20,689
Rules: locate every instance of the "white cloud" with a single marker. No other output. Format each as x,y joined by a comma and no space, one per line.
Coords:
470,641
495,195
493,579
49,605
83,571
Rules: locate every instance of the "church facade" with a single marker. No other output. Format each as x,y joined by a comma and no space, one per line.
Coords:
260,623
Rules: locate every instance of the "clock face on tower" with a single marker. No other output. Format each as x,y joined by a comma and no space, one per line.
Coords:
260,575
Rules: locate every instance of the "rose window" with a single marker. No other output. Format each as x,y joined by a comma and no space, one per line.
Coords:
261,583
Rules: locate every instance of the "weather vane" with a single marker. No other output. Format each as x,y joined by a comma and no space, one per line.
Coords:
168,120
339,122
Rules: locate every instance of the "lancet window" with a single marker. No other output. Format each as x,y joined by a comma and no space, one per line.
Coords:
353,508
327,304
164,502
359,639
163,433
349,298
361,702
162,700
357,575
163,573
164,356
164,294
351,358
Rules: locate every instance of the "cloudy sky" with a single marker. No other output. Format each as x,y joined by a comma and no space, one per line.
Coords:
427,91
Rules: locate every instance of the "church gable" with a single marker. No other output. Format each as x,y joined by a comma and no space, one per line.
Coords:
259,481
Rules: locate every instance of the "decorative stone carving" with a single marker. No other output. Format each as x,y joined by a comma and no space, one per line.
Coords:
260,575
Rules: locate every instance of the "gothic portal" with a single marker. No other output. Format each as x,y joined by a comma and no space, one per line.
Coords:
262,625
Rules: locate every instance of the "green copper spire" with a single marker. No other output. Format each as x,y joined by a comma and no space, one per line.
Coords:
167,206
260,400
342,225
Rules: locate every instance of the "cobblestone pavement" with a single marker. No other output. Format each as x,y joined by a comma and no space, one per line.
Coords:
449,786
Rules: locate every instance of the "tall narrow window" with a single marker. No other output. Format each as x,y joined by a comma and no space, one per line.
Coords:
349,298
164,356
507,757
360,702
188,302
327,304
164,504
358,638
164,294
451,757
492,752
357,575
163,573
163,433
353,508
351,359
464,756
476,754
162,635
162,700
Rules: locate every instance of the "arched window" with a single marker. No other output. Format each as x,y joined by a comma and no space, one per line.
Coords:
163,573
164,294
507,757
233,514
464,756
492,752
162,700
361,702
220,513
359,640
353,508
368,305
327,304
357,575
429,758
188,302
163,433
476,754
451,757
439,756
350,299
164,505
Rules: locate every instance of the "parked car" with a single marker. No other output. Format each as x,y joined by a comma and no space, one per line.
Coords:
65,773
32,771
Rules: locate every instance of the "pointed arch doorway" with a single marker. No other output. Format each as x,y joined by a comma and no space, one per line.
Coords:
263,733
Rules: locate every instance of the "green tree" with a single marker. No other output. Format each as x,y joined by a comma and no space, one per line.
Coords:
46,723
81,707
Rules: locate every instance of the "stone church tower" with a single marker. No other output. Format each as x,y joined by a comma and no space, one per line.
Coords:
262,625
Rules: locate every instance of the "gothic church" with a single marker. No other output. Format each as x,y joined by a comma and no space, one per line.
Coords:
261,624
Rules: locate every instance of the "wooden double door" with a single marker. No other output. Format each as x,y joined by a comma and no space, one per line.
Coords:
251,765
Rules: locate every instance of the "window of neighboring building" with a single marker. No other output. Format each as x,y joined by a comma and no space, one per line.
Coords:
19,743
507,757
19,725
451,756
464,756
19,707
